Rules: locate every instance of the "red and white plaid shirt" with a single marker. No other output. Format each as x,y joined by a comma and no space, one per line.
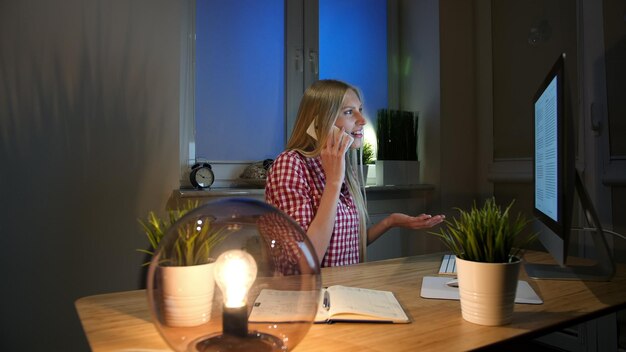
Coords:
295,185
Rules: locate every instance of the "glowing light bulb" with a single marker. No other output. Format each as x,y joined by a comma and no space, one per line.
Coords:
235,272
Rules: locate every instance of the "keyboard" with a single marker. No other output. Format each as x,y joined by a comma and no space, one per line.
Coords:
448,265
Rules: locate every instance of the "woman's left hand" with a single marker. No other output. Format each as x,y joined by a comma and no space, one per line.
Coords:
422,221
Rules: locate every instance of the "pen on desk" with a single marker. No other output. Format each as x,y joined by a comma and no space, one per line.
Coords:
326,302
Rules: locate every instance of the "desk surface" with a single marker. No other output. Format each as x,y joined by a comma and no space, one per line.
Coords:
121,321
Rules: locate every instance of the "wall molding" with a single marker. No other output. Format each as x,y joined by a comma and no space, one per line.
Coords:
519,170
510,170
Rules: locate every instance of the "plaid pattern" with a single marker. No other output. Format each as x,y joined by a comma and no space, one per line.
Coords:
295,185
282,243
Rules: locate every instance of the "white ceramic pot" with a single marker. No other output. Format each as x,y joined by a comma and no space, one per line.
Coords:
397,172
188,294
487,291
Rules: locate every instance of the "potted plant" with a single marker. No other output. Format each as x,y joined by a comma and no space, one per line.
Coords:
367,158
185,263
193,244
487,245
396,136
368,153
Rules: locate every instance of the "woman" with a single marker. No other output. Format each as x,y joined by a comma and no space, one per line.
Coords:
312,182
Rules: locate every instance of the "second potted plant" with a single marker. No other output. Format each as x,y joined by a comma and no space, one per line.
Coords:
396,135
185,263
367,160
487,245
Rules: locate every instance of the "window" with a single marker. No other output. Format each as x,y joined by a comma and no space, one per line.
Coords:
239,90
253,60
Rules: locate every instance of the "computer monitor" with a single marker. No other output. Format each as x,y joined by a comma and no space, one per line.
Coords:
556,182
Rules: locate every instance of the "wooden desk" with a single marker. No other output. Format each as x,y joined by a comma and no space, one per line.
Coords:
121,321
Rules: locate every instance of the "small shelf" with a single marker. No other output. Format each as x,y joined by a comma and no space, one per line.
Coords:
220,192
240,192
179,196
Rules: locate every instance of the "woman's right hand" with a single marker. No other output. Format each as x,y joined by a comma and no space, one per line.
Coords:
334,164
333,156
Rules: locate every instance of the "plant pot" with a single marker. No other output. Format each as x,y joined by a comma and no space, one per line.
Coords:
365,169
487,291
397,172
188,294
371,174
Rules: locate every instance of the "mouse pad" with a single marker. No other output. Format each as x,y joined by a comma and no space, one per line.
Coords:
436,287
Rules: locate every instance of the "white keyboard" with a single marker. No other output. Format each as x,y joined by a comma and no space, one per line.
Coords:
448,265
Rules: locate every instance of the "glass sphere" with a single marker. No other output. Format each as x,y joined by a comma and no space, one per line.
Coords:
259,257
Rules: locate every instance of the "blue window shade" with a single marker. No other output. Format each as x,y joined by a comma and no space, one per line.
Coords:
353,47
239,95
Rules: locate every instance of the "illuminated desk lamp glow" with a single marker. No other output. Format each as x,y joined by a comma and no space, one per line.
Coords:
243,247
235,271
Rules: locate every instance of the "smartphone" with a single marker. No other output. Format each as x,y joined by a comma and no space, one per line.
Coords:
311,132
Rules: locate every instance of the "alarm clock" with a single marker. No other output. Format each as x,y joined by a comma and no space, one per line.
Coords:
201,175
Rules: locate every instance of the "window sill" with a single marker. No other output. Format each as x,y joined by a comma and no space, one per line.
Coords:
181,196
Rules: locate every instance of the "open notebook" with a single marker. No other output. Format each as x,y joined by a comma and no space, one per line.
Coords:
335,303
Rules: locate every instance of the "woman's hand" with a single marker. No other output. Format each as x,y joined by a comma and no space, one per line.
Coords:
422,221
333,157
334,164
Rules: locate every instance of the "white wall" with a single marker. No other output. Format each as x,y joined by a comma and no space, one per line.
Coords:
436,77
89,113
419,81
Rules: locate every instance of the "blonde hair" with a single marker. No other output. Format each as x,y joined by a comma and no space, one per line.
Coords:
320,105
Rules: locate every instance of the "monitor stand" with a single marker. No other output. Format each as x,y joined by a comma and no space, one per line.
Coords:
602,270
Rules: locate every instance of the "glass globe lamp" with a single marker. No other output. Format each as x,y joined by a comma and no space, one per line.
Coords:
234,275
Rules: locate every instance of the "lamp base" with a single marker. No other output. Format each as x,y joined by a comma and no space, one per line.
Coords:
255,341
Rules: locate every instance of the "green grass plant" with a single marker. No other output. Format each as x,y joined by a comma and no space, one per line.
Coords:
192,245
368,153
396,134
486,234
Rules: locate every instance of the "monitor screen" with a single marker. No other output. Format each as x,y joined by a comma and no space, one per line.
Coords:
553,166
546,151
556,180
553,160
